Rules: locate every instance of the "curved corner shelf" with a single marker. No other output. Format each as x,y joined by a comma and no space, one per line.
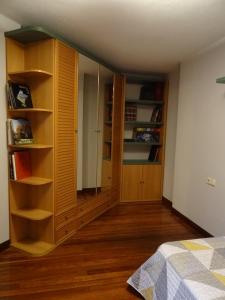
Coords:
33,247
30,73
32,214
31,146
33,180
18,110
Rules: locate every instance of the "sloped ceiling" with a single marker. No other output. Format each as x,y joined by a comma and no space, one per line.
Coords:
132,35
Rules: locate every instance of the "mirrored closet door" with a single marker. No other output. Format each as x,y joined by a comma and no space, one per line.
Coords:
105,113
87,138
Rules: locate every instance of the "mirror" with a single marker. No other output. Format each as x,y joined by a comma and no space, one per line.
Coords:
104,176
87,139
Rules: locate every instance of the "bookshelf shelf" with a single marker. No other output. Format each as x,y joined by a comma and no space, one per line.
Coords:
31,146
144,102
34,247
140,162
142,143
35,110
32,214
142,123
33,180
30,73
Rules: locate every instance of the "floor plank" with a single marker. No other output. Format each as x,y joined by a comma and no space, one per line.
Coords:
96,262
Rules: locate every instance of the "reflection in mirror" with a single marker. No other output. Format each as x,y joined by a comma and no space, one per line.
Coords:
87,128
105,130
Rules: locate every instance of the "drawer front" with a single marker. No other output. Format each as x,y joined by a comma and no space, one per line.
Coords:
86,218
90,205
65,231
65,217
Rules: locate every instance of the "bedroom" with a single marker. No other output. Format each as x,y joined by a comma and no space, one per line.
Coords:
190,37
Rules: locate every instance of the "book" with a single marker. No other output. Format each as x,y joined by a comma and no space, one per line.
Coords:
130,112
156,114
154,153
11,172
22,164
19,95
21,131
14,167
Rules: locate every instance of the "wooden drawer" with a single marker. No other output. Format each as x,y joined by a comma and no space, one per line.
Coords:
65,231
86,218
65,217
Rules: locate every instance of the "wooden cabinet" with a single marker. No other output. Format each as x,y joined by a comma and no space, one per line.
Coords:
141,183
40,203
145,107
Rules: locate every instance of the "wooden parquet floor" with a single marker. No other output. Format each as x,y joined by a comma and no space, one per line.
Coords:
96,262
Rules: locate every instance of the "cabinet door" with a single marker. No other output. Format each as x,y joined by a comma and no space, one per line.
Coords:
131,187
151,182
65,124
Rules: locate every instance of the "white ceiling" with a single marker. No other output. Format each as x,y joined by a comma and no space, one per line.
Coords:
134,35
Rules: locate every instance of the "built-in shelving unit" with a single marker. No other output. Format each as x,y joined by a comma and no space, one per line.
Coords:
143,141
31,198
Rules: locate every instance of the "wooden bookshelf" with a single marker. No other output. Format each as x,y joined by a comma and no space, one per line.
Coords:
48,67
145,107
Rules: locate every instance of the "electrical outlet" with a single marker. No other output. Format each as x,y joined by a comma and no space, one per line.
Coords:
211,181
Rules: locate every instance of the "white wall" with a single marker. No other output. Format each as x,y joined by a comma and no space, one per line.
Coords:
171,128
200,148
5,24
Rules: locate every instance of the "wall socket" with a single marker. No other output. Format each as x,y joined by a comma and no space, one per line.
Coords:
211,181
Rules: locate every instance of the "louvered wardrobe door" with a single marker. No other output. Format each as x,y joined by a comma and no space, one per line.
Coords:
65,125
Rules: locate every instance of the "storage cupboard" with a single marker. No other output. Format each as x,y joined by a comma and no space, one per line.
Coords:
37,202
45,208
144,121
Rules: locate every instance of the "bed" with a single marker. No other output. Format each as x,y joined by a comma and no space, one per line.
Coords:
183,270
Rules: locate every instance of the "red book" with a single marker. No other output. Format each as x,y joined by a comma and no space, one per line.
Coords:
22,164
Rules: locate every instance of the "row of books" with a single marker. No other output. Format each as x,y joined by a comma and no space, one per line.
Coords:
19,131
19,165
18,95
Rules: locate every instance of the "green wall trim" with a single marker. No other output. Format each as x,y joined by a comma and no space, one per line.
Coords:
27,34
35,33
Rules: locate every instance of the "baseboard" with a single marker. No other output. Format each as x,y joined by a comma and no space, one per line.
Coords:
168,204
5,245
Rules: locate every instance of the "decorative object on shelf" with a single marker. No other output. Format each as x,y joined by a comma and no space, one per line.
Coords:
149,135
130,112
19,95
156,114
19,131
152,91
